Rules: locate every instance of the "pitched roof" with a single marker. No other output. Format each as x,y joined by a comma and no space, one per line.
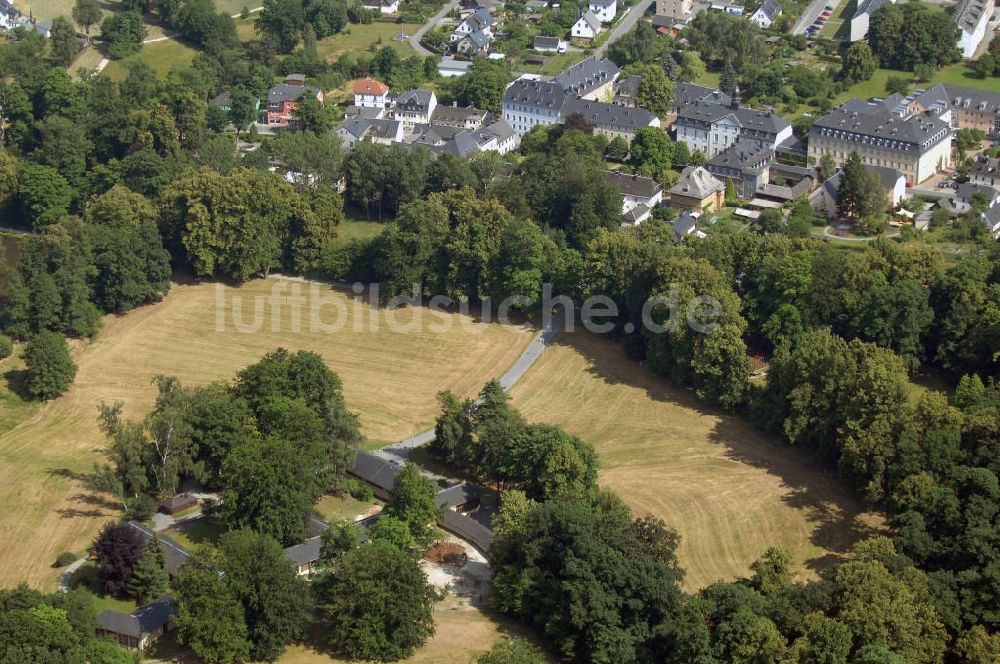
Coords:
415,100
684,225
696,182
689,93
478,38
967,190
546,42
287,92
540,94
745,154
457,495
609,115
769,8
889,177
858,117
869,7
369,86
947,95
627,184
456,114
968,13
140,622
587,75
174,555
749,118
629,85
375,469
591,20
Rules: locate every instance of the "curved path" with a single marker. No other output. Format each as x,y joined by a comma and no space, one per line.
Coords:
431,22
400,452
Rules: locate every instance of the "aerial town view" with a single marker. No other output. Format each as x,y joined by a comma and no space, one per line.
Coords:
500,331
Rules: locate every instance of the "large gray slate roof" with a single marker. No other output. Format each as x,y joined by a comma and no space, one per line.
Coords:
285,92
608,115
140,622
868,7
696,182
587,75
744,154
414,100
627,184
968,13
860,118
749,118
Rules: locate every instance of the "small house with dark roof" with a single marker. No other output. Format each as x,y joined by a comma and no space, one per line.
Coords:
626,89
967,192
464,117
138,630
174,555
639,195
178,503
377,471
547,44
686,226
284,99
697,190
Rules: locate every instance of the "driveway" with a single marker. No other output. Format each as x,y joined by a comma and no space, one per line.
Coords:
434,20
635,12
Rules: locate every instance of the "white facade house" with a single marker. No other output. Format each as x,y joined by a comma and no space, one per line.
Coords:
478,21
712,127
414,107
640,195
606,10
369,93
587,27
862,16
972,17
384,7
766,14
967,191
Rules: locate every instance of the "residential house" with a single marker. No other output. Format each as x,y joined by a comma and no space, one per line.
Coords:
626,89
138,630
677,11
686,94
473,44
639,195
174,555
686,226
972,17
383,7
917,145
548,44
283,100
862,16
605,10
463,117
370,93
766,14
478,21
711,127
826,197
986,171
968,190
746,163
461,142
178,503
370,112
414,107
9,15
729,8
697,190
587,26
383,131
961,107
991,219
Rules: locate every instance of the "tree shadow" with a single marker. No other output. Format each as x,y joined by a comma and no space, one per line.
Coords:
837,517
73,513
17,383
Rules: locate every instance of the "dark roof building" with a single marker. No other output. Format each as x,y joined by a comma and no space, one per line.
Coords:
139,629
587,76
545,43
174,554
746,163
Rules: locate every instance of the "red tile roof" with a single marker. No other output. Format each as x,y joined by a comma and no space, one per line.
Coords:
369,86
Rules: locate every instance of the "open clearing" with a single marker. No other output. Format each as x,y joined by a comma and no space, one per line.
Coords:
728,490
390,378
359,37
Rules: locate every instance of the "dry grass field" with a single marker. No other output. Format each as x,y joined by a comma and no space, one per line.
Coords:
390,378
728,490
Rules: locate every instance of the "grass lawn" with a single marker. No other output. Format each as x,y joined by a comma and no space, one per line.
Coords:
390,377
197,531
359,229
709,79
360,37
89,58
85,580
956,74
160,56
554,63
841,18
729,491
14,408
335,508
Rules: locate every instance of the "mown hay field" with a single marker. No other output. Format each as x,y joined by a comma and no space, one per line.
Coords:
390,379
728,490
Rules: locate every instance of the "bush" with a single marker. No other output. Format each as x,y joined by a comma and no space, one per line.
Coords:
6,346
142,508
65,558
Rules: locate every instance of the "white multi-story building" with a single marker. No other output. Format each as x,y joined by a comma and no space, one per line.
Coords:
711,127
916,145
369,93
862,16
679,11
414,107
972,17
606,10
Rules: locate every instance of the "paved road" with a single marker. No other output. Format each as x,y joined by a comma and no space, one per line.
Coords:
635,12
400,452
811,12
434,20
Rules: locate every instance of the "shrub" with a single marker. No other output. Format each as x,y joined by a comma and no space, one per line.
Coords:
6,346
65,558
